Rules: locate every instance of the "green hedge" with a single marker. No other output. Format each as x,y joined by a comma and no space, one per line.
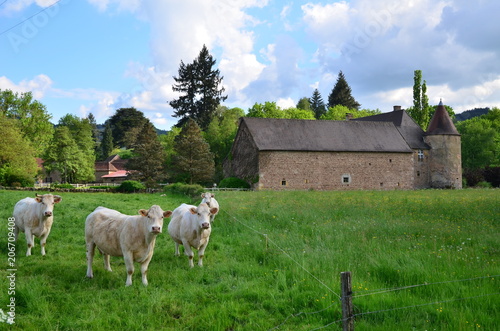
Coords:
233,182
130,186
191,190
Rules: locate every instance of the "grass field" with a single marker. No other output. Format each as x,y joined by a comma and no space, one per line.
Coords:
420,260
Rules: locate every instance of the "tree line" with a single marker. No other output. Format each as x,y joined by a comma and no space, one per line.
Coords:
193,151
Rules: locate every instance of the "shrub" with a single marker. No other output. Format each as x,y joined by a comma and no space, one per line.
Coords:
191,190
233,182
61,186
130,186
484,184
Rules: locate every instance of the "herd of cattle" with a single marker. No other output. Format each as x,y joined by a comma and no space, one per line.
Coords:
117,234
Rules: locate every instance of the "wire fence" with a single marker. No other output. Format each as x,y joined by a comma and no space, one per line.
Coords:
372,292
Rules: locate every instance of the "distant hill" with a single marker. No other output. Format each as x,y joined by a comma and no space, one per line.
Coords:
468,114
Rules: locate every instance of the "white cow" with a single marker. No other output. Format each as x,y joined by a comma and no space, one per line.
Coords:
190,226
34,217
209,199
116,234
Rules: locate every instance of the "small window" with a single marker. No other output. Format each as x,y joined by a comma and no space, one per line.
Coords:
346,179
418,173
420,155
283,183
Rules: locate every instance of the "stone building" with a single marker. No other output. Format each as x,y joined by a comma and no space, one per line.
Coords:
385,151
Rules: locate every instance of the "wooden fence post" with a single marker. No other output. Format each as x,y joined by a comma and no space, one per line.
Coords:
346,291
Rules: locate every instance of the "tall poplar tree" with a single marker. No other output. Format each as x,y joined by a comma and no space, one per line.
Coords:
342,95
193,160
201,93
421,110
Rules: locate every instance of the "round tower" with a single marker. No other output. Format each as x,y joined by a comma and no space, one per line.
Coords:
445,155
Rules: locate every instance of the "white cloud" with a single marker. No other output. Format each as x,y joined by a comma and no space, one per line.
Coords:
38,86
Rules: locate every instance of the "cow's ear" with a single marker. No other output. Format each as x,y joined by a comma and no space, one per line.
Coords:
167,213
193,210
202,195
143,212
38,197
57,199
213,211
213,195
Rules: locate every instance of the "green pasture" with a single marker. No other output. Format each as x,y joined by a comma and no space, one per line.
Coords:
420,260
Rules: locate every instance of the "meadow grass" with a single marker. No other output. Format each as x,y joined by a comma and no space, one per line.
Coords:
274,262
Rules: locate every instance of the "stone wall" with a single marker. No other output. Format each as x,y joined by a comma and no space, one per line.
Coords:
335,171
445,161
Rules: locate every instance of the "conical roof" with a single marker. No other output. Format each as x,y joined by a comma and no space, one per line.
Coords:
441,123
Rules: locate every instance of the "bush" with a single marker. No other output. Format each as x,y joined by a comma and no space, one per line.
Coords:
62,186
484,184
233,182
130,186
193,191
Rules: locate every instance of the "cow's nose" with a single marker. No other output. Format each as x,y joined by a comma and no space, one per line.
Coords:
48,213
205,225
156,229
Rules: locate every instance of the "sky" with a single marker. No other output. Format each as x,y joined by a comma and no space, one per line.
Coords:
96,56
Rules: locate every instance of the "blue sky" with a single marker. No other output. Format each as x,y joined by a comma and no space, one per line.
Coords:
100,55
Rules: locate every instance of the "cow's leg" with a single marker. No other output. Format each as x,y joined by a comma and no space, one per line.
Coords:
129,264
107,265
16,232
30,241
43,240
90,258
188,252
144,271
201,253
177,249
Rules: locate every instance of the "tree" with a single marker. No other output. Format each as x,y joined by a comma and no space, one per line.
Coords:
481,140
338,113
106,147
17,155
299,114
31,115
304,104
421,110
199,85
317,105
95,134
193,160
149,157
122,122
63,155
341,94
220,135
81,132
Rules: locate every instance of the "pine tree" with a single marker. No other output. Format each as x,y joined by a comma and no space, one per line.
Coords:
122,122
200,96
149,157
317,104
341,94
193,161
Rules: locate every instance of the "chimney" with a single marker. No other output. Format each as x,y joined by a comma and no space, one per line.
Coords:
348,116
396,108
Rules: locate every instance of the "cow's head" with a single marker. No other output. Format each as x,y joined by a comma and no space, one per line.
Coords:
154,218
207,197
47,202
203,213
